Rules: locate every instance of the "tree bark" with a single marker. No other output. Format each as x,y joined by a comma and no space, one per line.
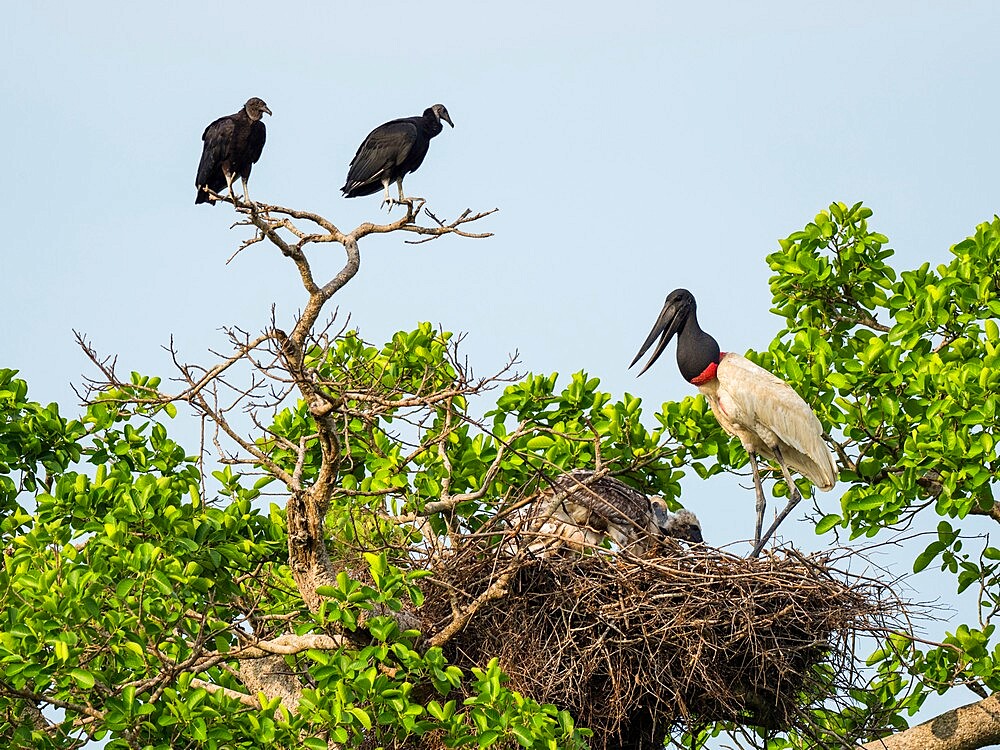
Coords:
272,677
976,725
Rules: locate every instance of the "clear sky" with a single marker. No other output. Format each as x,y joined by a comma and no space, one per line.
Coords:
631,148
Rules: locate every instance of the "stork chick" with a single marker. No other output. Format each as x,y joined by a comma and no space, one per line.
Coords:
682,525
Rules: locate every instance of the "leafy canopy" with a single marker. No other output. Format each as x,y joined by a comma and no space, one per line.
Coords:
127,587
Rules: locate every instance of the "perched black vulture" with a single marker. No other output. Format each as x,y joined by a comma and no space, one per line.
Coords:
233,144
393,150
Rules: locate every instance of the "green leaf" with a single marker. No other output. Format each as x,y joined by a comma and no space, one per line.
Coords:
524,737
540,442
828,522
926,557
83,678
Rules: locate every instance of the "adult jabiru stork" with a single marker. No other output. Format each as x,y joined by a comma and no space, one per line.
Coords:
763,411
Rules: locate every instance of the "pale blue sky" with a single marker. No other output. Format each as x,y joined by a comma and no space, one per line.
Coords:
631,148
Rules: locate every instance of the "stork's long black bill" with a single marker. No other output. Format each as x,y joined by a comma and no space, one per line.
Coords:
670,321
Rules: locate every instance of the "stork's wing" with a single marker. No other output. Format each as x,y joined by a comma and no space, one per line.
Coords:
218,138
386,145
761,402
608,497
588,511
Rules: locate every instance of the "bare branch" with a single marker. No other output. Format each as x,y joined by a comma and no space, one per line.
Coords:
246,700
79,708
289,644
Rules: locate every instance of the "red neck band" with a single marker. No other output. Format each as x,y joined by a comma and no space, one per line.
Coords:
708,373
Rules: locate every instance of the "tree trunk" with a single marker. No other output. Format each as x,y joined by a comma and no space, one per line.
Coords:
976,725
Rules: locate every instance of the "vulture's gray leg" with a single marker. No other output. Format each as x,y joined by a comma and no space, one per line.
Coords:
794,496
387,199
246,192
229,182
399,184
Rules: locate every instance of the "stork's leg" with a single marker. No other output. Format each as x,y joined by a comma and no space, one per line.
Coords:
761,503
794,496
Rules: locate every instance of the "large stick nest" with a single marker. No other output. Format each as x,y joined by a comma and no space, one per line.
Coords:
637,648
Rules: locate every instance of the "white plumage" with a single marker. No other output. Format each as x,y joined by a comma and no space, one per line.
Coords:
769,418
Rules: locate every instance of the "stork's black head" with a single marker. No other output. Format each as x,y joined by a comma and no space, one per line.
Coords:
256,108
440,112
683,525
678,306
696,350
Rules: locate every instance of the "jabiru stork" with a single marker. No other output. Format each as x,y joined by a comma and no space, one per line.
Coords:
763,411
682,525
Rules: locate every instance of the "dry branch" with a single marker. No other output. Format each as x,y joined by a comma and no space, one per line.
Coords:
246,700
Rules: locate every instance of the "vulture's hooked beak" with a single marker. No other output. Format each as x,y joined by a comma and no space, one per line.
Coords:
671,320
447,118
267,110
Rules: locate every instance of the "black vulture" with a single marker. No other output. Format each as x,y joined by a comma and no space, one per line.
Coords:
233,144
391,151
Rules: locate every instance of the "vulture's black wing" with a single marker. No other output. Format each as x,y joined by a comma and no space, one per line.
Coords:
218,139
386,146
255,143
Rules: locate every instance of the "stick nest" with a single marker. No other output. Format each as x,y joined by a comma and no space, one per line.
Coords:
636,648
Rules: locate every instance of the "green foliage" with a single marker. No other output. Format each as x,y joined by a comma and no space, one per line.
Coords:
126,590
902,369
536,430
119,570
35,442
127,587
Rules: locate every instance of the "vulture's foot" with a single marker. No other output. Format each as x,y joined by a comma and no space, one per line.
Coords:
412,204
397,202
